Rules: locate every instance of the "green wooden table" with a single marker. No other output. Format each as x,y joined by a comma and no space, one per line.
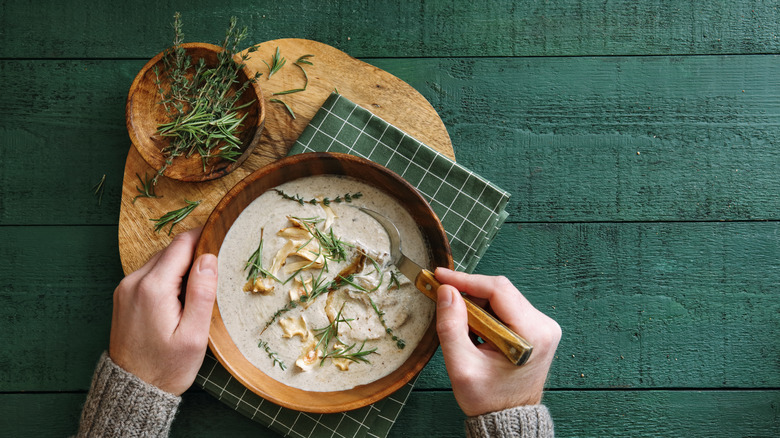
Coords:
640,142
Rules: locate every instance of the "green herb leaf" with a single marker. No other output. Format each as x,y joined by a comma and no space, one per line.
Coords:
272,355
146,189
277,62
99,188
202,101
289,110
174,217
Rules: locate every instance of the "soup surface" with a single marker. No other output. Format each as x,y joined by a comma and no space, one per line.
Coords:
307,289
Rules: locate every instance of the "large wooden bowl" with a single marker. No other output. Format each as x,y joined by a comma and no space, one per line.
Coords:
144,113
288,169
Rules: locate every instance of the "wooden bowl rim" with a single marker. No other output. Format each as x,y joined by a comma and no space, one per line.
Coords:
279,393
152,154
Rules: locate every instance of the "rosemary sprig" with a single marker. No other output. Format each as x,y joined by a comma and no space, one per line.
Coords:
174,217
289,110
277,62
272,355
146,189
394,282
318,289
99,188
349,280
255,264
347,353
330,333
202,101
333,246
348,197
302,60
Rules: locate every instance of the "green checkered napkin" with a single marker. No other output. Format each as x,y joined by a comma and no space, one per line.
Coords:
471,209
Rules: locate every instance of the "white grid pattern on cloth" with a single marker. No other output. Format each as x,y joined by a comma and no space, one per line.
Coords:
482,231
284,420
376,421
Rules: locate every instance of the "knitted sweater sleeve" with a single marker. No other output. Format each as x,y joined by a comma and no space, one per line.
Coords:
519,422
119,404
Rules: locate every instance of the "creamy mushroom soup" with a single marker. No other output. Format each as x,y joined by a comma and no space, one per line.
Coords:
307,289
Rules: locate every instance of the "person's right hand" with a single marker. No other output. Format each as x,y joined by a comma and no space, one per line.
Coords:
482,378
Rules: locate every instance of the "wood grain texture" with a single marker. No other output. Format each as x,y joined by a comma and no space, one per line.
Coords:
56,288
144,113
677,301
481,323
636,138
294,168
408,28
385,95
435,413
566,132
621,157
641,305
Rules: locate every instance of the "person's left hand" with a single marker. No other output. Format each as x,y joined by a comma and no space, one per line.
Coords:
152,335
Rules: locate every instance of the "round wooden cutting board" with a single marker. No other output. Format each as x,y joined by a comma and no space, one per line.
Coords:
333,70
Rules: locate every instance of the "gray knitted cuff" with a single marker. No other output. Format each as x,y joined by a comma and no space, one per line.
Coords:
520,422
119,404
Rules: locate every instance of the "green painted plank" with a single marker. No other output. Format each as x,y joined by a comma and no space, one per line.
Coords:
59,137
652,305
659,305
76,29
56,288
573,139
604,139
435,414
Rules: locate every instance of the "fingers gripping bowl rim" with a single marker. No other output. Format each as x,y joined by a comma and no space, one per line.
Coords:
288,169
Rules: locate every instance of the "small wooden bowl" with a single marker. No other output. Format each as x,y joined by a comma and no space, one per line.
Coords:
288,169
144,113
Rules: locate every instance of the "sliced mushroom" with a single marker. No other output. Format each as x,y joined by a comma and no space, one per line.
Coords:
262,286
341,363
330,216
301,289
309,357
294,327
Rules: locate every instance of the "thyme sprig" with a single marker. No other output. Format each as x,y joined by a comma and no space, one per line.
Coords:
146,189
348,197
272,355
174,217
277,62
400,343
202,101
99,188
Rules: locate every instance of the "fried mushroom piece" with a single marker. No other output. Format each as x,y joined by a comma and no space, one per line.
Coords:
309,356
294,327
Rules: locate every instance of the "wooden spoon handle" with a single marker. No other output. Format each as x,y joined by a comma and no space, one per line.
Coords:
483,324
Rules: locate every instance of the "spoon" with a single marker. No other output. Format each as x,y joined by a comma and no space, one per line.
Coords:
481,323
